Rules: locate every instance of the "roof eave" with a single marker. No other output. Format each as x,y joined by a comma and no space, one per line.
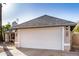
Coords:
43,26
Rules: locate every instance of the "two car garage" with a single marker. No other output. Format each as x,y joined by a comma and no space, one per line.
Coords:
44,32
41,38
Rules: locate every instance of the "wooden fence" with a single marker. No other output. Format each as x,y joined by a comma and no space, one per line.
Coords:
75,41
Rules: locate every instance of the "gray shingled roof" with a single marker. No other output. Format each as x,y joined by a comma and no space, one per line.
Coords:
45,21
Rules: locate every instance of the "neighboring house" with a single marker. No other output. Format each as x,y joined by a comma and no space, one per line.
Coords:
10,34
44,32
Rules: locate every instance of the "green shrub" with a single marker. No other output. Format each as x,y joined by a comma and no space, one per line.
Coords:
76,29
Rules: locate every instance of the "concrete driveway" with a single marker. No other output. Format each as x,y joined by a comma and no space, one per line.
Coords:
6,50
45,52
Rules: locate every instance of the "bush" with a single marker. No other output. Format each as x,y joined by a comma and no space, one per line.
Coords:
76,29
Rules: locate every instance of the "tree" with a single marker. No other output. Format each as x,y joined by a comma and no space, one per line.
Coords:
5,28
76,29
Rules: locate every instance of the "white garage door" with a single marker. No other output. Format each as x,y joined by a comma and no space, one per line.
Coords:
42,38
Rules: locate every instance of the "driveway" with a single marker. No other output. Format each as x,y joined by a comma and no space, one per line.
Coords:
9,50
6,50
45,52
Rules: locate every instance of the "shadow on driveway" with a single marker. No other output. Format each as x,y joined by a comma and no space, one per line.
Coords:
6,50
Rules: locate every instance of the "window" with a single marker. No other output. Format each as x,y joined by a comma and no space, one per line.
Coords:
13,36
66,27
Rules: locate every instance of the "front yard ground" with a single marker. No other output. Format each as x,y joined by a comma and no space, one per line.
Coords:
11,50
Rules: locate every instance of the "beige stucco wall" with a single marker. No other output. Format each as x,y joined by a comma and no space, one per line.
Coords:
6,37
67,38
17,39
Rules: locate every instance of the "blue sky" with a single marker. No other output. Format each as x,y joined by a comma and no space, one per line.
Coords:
28,11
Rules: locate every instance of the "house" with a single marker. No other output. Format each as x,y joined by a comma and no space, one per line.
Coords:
10,34
44,32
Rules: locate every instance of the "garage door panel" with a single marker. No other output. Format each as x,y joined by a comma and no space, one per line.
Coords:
42,38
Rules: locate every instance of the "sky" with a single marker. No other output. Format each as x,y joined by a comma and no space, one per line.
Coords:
28,11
